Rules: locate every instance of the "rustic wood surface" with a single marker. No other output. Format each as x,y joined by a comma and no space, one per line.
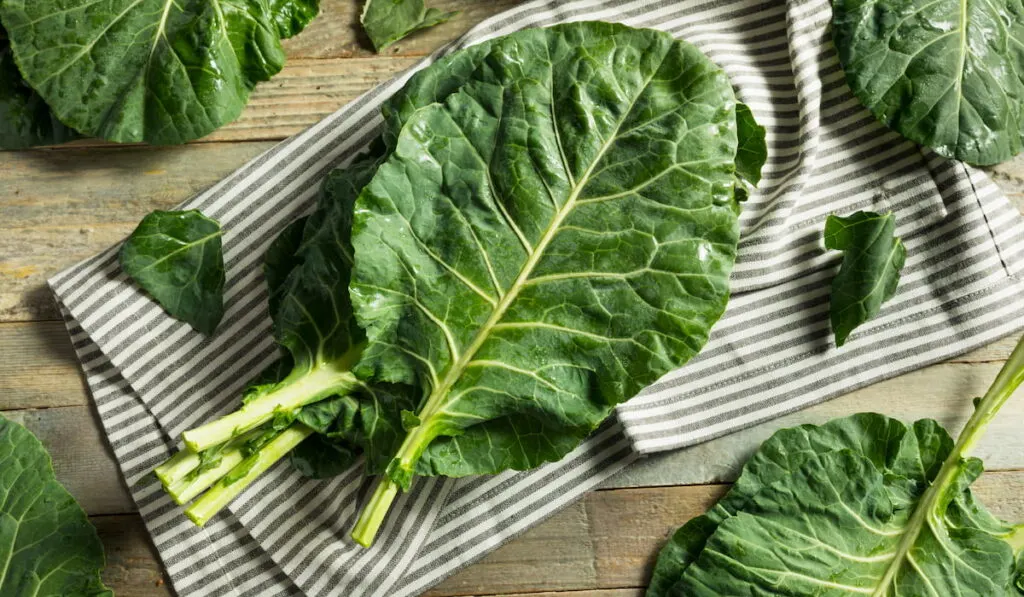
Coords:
63,204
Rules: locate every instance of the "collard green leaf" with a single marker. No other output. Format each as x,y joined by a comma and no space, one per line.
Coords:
752,152
900,452
822,510
388,21
320,457
534,257
25,120
280,259
292,16
872,260
176,257
47,544
161,71
946,74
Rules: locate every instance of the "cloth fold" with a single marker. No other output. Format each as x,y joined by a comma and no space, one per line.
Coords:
152,377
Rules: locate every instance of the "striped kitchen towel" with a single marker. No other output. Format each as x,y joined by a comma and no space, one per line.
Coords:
153,377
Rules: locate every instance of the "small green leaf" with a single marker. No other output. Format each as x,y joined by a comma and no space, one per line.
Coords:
281,258
872,260
752,149
25,120
47,545
387,21
176,257
943,73
409,420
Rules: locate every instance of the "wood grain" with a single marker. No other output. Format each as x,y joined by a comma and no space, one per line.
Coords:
336,32
82,461
602,546
133,566
84,464
62,206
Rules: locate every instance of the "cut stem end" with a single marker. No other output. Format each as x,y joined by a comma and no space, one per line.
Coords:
374,512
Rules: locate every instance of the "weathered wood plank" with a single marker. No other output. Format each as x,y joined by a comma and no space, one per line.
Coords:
133,566
84,464
336,33
602,546
82,460
331,63
38,367
62,206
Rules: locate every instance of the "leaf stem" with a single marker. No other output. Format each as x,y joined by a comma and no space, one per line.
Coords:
375,511
177,467
245,472
184,490
1007,381
312,386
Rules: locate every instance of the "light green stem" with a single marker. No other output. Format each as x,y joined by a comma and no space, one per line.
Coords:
1006,382
403,466
375,511
245,472
184,490
177,467
313,386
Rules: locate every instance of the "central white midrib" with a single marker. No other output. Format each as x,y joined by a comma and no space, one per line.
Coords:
436,401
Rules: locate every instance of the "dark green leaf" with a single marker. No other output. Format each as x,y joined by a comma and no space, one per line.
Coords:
752,152
387,21
901,452
47,544
823,508
947,74
161,71
320,457
534,257
281,258
176,257
340,411
872,260
292,16
25,120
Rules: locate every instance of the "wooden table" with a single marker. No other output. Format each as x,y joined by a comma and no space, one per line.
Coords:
61,205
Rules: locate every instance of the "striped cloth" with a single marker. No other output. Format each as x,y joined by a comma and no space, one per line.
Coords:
152,377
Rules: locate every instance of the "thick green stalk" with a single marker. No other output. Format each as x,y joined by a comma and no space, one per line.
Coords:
1006,382
177,467
374,512
245,472
401,468
317,384
184,490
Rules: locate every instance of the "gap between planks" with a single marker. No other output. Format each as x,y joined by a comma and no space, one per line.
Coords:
603,545
84,464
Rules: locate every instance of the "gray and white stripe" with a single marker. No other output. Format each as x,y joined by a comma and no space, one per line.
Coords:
152,377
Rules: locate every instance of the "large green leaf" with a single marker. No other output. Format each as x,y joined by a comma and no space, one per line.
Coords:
899,451
872,260
554,236
162,71
388,21
825,510
47,545
176,257
307,270
25,120
948,74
